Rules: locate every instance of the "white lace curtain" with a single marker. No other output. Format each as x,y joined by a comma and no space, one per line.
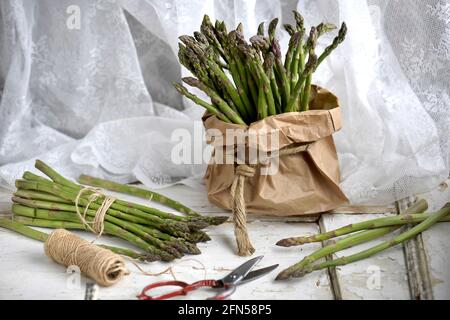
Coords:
98,99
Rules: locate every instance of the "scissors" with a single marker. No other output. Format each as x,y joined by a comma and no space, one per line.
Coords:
227,285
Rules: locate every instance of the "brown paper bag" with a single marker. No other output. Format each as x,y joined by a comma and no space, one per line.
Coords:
306,182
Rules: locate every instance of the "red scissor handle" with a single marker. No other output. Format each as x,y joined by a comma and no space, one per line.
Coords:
229,290
185,288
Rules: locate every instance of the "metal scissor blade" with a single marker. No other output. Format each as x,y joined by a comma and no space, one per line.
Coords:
255,274
240,272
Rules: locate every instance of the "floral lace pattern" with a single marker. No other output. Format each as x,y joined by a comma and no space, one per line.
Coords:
99,99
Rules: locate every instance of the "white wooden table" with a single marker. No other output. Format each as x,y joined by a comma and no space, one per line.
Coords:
26,273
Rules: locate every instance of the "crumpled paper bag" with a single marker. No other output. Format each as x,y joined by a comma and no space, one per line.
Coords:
306,183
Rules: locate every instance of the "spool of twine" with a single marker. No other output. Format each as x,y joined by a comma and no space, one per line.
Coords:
101,265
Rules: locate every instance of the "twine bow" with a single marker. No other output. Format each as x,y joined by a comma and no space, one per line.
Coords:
243,171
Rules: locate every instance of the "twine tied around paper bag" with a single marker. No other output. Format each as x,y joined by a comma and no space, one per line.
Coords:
243,171
100,264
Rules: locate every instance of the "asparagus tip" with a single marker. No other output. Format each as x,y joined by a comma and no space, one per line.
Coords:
215,221
261,29
299,20
165,256
288,242
289,29
283,275
240,27
272,26
197,224
191,81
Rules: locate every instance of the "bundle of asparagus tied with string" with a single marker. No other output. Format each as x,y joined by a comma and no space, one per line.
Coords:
362,232
248,81
60,203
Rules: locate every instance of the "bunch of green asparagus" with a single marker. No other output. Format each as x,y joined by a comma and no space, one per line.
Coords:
360,233
246,81
53,203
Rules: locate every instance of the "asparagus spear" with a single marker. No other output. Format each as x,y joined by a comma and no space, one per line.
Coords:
272,97
181,243
293,44
238,74
66,213
269,69
221,34
195,235
311,45
233,39
147,194
298,62
257,66
123,212
193,223
15,225
289,29
365,225
192,56
272,29
46,213
262,103
52,174
51,203
151,252
297,90
236,93
208,30
131,190
61,219
261,29
216,99
336,42
347,242
44,204
37,195
198,236
281,72
422,226
251,73
260,43
109,229
193,219
200,37
324,28
200,102
189,59
240,27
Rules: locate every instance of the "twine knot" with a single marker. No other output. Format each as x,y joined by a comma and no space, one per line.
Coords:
97,225
245,170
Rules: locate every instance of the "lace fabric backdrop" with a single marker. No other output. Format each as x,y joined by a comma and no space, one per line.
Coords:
98,99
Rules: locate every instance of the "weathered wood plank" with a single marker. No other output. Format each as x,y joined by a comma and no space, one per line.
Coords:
436,243
358,209
416,262
332,273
